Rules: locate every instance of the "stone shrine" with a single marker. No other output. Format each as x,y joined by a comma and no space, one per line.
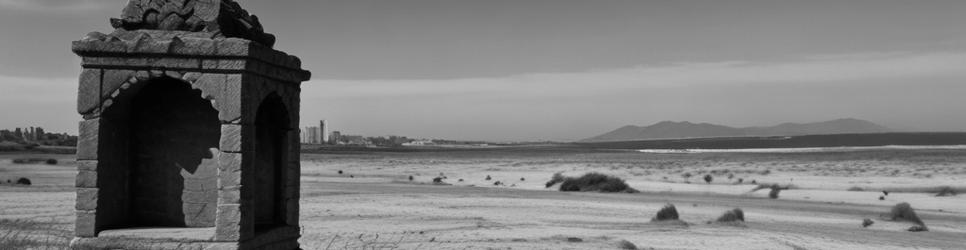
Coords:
189,138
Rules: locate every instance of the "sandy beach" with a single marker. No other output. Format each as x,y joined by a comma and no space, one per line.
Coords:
373,204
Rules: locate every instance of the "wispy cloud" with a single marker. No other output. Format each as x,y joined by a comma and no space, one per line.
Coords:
906,89
60,5
547,105
822,69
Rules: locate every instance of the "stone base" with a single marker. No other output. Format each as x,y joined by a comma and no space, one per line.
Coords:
283,238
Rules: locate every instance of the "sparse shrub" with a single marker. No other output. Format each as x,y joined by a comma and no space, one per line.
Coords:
732,216
731,176
340,171
881,198
668,212
774,192
352,176
856,189
595,182
686,176
410,178
741,180
50,161
23,181
918,228
523,179
574,239
461,180
488,178
497,183
557,178
626,245
946,191
867,222
775,189
904,211
708,178
754,182
438,180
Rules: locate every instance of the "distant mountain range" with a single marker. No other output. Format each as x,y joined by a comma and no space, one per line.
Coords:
675,130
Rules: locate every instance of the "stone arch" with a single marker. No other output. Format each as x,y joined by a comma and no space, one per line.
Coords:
272,126
158,146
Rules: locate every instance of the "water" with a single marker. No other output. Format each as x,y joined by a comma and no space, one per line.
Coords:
798,150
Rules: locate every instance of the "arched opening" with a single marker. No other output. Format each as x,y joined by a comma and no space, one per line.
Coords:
160,156
271,127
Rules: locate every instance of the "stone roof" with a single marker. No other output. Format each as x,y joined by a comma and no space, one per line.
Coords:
221,17
185,50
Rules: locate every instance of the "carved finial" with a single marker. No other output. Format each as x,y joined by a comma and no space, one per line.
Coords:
224,17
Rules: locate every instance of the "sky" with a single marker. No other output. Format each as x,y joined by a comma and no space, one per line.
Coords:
519,70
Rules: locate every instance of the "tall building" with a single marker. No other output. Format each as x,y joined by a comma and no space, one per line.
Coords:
310,135
335,137
323,132
40,135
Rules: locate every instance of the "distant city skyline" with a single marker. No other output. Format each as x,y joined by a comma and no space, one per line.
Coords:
526,70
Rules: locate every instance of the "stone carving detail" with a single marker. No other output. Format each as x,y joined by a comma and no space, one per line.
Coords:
224,17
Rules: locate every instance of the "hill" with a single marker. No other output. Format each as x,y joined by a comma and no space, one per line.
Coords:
801,141
679,130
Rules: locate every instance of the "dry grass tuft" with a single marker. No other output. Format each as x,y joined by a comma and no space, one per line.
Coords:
31,234
375,241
